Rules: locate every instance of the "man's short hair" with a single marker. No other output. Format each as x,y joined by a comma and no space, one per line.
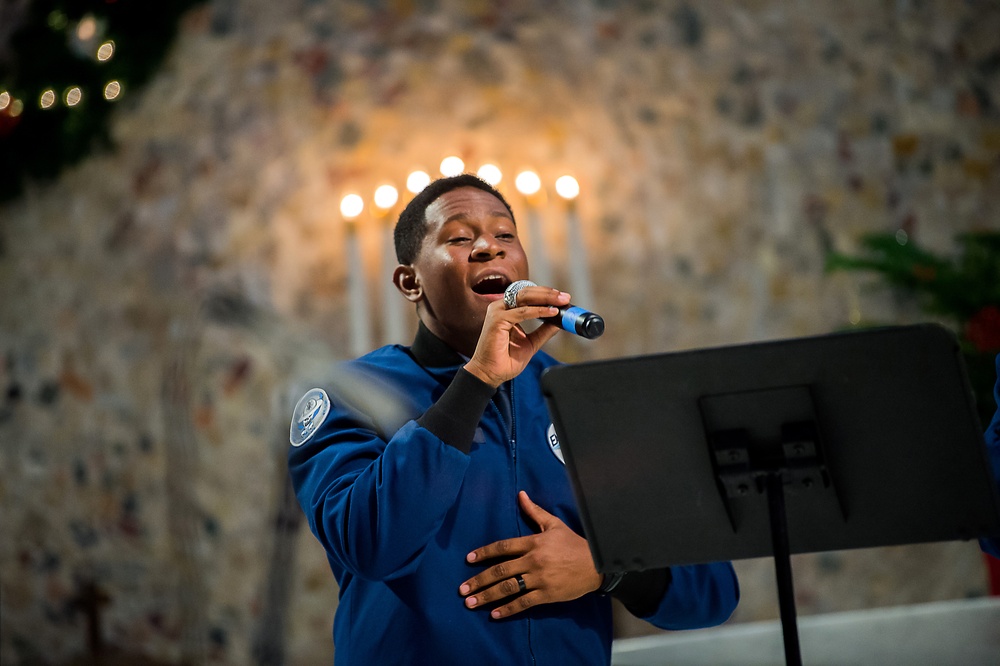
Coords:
412,225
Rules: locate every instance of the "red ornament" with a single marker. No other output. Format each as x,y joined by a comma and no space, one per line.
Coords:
8,123
983,329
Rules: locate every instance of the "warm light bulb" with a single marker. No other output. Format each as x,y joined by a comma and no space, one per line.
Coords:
351,206
452,166
417,181
490,173
86,28
105,51
567,187
47,99
16,107
112,90
527,183
73,96
386,196
4,100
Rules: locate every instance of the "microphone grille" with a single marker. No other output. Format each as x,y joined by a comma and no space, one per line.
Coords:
510,293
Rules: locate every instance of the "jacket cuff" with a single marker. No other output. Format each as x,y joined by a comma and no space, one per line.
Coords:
642,591
455,416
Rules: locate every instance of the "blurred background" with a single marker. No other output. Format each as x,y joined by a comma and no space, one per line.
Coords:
180,259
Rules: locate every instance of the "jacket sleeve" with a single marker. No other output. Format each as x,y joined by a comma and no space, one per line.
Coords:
992,545
374,503
697,596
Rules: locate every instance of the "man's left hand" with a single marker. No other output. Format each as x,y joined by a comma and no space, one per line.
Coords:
555,565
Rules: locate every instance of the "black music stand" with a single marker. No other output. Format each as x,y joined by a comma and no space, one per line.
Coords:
849,440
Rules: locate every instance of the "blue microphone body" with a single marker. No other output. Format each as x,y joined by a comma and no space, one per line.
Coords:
571,318
579,321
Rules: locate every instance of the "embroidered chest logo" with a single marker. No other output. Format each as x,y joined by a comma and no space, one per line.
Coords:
553,439
309,414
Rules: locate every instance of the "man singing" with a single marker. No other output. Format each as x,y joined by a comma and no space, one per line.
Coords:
452,530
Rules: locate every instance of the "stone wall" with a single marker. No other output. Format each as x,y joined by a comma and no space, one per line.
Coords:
163,304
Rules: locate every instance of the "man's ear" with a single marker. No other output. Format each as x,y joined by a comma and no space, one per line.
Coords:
406,281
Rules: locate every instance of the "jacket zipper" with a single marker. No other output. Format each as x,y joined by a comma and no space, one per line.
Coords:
513,423
513,454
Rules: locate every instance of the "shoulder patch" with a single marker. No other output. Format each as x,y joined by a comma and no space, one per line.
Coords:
308,415
553,439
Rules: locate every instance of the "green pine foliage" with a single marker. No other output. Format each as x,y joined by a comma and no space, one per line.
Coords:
46,52
964,289
954,287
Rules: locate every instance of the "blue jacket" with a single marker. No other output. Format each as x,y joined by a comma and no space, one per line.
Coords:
992,546
397,509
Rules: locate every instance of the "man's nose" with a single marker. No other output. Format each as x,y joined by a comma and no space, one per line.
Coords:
486,247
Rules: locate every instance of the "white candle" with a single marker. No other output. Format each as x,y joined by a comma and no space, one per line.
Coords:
529,184
579,274
361,330
393,331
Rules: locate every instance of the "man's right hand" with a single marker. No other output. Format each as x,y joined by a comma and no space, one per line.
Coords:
504,348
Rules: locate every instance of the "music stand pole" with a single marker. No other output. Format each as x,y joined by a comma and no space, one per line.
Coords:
783,568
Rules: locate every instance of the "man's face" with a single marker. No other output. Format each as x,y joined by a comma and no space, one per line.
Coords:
471,252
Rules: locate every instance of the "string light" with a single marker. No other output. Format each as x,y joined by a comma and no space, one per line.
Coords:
112,90
490,173
567,187
86,28
73,96
105,51
417,181
527,183
73,46
452,166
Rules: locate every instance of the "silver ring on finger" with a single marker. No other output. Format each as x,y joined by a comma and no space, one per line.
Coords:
521,587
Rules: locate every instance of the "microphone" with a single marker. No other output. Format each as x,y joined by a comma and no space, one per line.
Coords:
570,318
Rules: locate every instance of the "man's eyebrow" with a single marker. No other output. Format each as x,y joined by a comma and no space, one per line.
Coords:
461,216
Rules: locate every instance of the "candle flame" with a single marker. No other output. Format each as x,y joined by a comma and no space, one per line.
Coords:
351,206
452,166
527,183
567,187
417,181
386,196
490,173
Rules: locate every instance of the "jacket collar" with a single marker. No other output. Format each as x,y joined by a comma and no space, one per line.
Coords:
431,351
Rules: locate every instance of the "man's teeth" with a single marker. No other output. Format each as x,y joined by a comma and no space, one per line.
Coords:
491,284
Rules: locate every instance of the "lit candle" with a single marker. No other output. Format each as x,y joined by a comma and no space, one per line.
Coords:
491,174
452,166
393,332
351,207
417,180
529,185
579,275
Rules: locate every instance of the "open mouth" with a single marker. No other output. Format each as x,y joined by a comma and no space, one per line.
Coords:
491,285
